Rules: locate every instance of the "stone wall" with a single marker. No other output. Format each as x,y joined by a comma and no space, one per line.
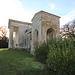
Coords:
49,21
36,22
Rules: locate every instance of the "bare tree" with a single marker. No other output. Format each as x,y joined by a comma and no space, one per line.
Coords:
68,30
3,31
3,38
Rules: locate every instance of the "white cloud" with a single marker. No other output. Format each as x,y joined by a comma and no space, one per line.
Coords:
69,17
52,6
13,9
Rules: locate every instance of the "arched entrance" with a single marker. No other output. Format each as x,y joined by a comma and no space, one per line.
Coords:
36,39
50,34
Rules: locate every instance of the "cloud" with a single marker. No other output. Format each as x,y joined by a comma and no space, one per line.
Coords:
69,17
52,6
13,9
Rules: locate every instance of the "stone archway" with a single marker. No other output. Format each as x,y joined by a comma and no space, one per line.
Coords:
36,37
50,34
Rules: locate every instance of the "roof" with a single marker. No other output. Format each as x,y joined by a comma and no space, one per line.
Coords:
44,12
16,21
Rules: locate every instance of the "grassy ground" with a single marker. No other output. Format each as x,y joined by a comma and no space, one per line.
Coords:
19,62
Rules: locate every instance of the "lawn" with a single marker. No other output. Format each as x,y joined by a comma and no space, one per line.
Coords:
19,62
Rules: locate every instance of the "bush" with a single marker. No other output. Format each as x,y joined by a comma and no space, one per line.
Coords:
3,42
61,57
74,44
41,52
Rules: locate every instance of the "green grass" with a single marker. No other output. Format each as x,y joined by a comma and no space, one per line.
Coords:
19,62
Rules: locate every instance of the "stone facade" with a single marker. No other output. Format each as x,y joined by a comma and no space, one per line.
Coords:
44,26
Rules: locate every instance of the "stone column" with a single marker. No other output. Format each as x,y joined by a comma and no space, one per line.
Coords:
11,37
32,51
16,39
45,37
39,35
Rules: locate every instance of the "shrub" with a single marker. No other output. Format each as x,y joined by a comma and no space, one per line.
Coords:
74,44
4,42
61,58
41,52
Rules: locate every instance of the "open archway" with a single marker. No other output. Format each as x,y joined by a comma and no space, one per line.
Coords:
50,34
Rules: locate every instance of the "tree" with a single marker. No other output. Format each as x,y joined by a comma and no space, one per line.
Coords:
3,31
68,30
3,38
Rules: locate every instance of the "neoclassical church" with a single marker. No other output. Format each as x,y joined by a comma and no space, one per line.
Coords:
44,26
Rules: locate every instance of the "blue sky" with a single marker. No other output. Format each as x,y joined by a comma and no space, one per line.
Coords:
58,7
24,10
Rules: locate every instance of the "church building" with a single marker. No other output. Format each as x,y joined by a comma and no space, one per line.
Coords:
44,26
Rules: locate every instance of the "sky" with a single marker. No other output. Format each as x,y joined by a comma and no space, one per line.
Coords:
24,10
